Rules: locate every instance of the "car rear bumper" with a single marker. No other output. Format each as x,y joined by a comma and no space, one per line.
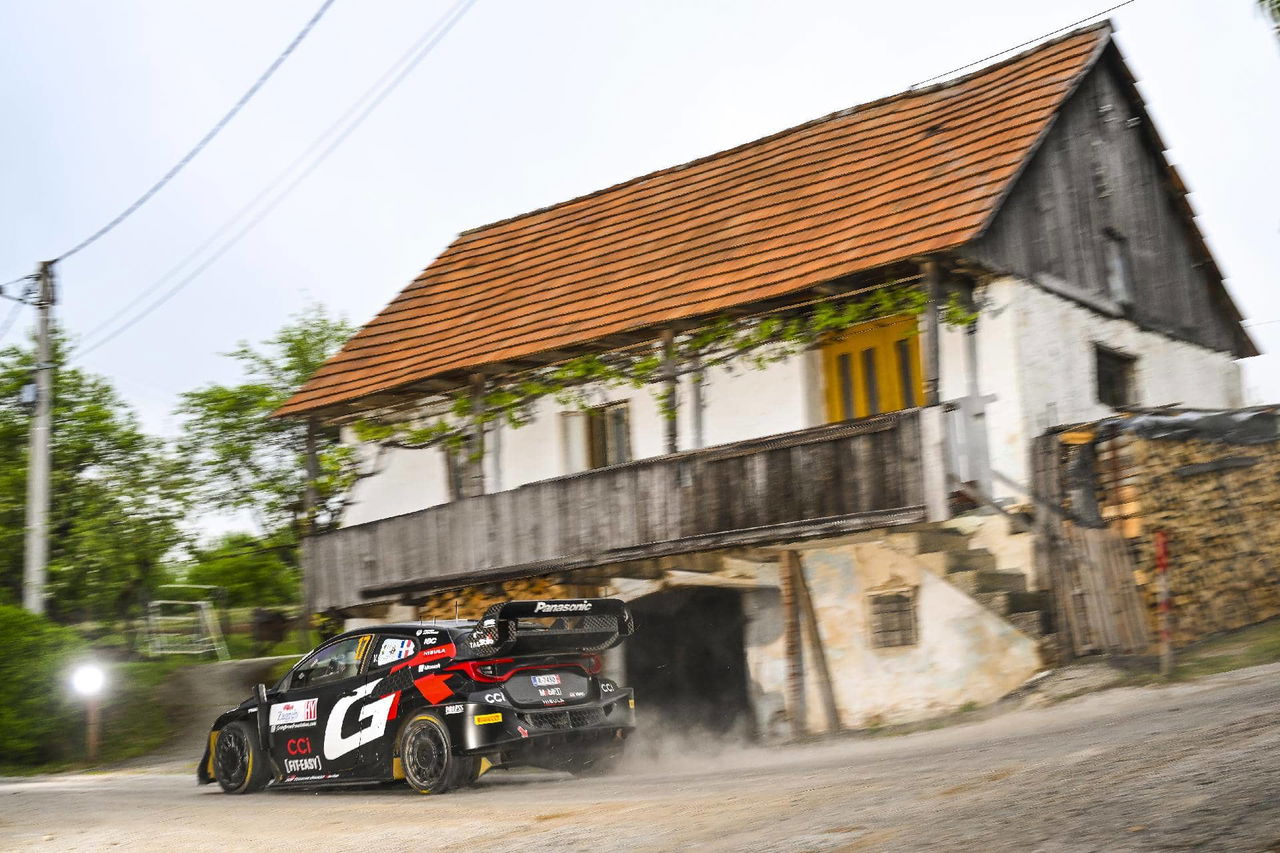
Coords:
490,728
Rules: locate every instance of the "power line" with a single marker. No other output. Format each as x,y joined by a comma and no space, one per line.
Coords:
395,74
11,319
1024,44
208,137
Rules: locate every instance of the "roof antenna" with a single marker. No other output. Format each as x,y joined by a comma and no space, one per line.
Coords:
455,610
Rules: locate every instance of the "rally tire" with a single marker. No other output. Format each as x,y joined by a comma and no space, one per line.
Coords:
426,754
466,771
239,763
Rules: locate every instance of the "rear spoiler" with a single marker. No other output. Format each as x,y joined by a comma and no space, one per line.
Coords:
582,624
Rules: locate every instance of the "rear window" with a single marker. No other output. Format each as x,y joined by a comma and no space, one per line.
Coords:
392,649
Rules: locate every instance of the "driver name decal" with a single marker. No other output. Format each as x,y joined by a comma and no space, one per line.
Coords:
372,717
292,715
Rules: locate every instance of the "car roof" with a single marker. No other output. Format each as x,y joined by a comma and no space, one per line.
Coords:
454,625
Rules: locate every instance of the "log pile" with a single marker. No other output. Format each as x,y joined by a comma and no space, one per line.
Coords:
472,601
1220,517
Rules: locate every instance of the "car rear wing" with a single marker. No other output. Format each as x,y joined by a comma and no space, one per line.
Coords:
550,626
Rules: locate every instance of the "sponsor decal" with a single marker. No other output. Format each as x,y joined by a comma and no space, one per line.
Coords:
544,680
486,719
566,607
550,691
298,746
363,646
454,709
523,731
430,640
482,640
495,698
607,687
293,714
393,650
298,765
430,667
372,719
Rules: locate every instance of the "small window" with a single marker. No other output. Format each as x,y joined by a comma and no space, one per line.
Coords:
844,369
608,435
392,649
905,375
1115,373
1119,268
334,662
893,619
873,381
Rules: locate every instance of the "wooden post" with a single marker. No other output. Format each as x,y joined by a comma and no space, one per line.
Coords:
310,510
696,403
92,725
1164,605
796,710
800,589
975,422
474,486
669,395
933,285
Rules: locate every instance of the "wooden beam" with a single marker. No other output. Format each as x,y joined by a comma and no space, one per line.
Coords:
810,617
932,273
475,446
792,648
670,396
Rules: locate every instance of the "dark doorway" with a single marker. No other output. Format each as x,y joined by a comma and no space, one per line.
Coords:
687,662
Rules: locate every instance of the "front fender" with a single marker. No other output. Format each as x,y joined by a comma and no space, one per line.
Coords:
248,710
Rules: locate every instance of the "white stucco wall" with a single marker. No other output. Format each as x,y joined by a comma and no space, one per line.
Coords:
1036,358
1035,362
965,653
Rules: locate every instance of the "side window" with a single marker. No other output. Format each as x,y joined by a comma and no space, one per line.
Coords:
893,618
391,649
334,662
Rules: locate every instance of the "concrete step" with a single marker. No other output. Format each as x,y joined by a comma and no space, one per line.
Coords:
927,540
1005,603
974,582
974,559
1030,623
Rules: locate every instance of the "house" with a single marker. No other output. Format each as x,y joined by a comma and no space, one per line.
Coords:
793,518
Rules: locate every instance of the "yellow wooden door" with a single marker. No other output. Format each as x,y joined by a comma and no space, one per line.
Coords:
873,368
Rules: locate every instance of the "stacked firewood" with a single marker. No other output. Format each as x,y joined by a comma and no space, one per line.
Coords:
472,601
1220,519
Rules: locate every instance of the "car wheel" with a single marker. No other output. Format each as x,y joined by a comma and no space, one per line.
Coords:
427,756
466,772
239,764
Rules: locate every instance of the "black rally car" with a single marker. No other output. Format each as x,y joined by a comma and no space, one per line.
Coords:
436,703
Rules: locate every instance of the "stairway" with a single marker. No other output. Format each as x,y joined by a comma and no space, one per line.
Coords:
948,554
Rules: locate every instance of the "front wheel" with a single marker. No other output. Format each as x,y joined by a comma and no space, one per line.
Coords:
239,764
427,755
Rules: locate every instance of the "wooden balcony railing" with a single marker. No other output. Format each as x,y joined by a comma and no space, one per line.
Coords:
814,483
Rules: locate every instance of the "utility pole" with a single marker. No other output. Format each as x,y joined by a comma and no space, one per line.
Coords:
37,545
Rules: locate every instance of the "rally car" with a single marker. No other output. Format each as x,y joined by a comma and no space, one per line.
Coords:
436,703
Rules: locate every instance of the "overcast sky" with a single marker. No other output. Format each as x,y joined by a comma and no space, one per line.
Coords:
525,103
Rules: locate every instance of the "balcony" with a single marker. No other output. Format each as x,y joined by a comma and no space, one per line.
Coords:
815,483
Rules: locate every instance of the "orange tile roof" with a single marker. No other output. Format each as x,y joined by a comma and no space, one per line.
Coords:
918,172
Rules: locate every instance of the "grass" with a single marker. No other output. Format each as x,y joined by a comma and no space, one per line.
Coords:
1251,646
135,719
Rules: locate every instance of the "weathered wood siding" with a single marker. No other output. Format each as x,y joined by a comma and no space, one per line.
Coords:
826,481
1099,169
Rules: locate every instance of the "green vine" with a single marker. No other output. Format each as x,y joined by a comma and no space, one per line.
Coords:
725,342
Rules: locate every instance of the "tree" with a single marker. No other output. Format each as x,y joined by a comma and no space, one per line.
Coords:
1271,8
117,496
242,458
251,574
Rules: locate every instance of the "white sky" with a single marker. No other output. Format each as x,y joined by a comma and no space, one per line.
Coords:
526,103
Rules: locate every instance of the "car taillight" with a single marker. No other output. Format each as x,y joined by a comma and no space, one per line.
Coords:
592,664
484,671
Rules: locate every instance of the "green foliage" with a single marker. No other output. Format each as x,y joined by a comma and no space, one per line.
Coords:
725,342
241,458
118,496
251,571
36,709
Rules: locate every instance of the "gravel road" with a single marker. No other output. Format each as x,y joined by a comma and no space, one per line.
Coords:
1187,767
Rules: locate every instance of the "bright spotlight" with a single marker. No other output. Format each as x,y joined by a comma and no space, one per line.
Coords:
88,679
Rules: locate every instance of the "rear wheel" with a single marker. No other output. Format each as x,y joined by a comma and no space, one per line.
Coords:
427,755
239,764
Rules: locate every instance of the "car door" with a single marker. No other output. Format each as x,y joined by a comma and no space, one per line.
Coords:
322,716
385,652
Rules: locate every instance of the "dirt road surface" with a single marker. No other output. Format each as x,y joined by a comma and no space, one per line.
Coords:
1187,767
